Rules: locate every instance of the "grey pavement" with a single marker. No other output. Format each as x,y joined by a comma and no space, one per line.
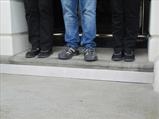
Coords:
30,97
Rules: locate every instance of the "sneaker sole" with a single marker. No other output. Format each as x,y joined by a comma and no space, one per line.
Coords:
129,60
117,59
30,57
45,56
91,60
41,57
63,58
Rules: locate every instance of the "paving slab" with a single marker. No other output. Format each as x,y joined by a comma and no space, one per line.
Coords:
29,97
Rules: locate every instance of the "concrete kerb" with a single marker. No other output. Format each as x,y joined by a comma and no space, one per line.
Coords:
156,76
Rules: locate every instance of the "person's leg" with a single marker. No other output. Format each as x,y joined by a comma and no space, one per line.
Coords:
46,27
71,29
131,28
33,21
71,22
132,8
46,24
88,21
118,28
118,22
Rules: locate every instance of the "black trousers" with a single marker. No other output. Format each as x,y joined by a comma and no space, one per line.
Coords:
39,16
125,22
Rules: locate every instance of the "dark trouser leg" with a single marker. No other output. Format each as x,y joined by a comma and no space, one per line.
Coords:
118,22
33,21
131,22
46,24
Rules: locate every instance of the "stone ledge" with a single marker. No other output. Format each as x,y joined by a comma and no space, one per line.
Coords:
156,72
141,64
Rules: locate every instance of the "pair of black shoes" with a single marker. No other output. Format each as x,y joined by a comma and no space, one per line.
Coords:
40,53
128,55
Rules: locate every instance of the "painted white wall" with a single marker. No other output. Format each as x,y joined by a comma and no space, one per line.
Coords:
5,28
154,31
153,48
156,78
18,17
13,28
154,41
154,17
5,16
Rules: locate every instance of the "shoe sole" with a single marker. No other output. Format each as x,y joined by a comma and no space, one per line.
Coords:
91,60
117,59
30,57
129,60
63,58
45,56
41,57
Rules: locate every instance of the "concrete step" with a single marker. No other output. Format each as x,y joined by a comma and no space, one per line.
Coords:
140,71
104,55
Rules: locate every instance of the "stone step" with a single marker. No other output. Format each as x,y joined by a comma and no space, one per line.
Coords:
141,63
140,71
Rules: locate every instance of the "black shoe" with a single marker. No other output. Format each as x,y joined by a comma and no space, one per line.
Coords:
32,53
129,55
68,53
90,54
45,53
117,55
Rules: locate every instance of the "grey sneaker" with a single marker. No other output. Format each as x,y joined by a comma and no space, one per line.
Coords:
90,54
68,53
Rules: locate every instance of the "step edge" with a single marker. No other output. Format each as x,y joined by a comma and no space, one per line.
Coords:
79,73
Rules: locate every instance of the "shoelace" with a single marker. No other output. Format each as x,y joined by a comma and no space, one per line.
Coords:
87,51
69,50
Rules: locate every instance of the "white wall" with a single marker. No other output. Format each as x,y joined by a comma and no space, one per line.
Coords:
5,27
154,31
154,41
156,78
13,29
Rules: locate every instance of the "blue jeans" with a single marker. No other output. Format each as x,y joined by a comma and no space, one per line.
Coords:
87,9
